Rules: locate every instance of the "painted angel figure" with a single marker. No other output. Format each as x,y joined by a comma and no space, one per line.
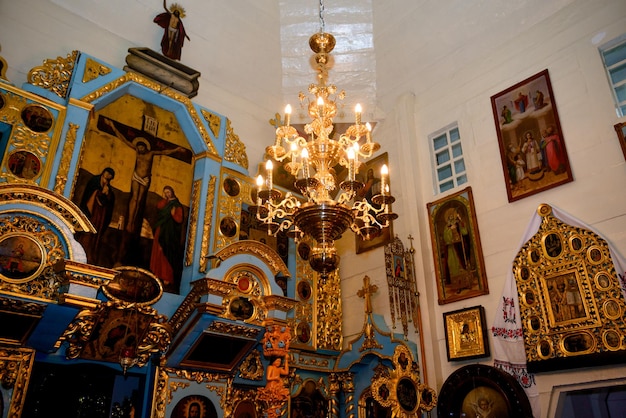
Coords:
174,34
483,408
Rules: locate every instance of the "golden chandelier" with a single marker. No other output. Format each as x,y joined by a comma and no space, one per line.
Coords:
322,213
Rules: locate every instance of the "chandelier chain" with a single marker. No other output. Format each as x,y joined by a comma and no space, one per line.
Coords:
321,13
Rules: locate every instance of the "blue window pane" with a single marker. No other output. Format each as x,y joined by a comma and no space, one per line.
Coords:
446,186
443,157
461,179
615,55
444,172
440,141
618,74
621,93
454,135
459,166
457,150
623,109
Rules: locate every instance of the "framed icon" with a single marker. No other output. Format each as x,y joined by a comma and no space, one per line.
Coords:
457,252
466,334
532,147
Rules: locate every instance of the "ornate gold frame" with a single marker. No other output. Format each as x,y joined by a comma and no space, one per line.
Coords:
400,389
471,279
16,366
571,303
466,334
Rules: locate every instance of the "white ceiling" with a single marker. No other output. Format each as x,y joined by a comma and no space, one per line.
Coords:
258,49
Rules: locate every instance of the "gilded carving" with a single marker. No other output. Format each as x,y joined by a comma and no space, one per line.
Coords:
400,388
271,258
195,376
10,112
193,222
3,69
153,85
66,158
199,287
329,313
155,337
251,367
208,221
233,329
93,70
280,303
303,319
571,303
15,370
214,122
227,230
66,210
45,282
35,142
55,74
22,307
235,150
312,361
85,274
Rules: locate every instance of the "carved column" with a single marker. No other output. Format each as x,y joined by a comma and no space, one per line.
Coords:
348,390
335,385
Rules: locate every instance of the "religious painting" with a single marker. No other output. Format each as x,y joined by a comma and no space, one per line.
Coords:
466,334
620,128
134,184
479,390
370,408
37,118
369,174
24,164
309,402
134,285
245,409
570,296
194,406
532,147
457,252
21,258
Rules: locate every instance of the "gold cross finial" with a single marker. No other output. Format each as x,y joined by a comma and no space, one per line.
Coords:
366,292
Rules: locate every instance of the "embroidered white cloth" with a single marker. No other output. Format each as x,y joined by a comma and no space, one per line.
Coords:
508,339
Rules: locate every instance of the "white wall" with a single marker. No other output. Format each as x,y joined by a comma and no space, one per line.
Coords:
456,86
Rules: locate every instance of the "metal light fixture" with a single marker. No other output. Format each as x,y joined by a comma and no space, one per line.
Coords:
323,214
128,352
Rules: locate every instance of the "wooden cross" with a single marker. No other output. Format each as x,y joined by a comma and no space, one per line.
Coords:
366,292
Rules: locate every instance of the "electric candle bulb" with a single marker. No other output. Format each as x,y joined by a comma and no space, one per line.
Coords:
305,163
287,115
384,173
294,152
259,187
268,168
320,105
357,112
369,131
351,164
